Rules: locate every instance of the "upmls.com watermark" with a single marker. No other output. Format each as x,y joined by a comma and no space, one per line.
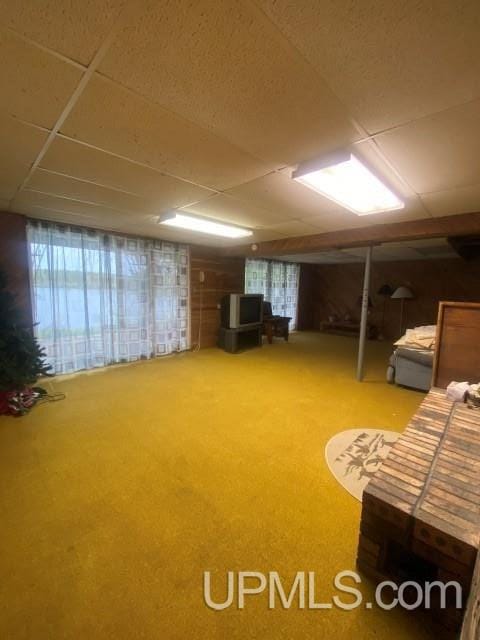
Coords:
301,592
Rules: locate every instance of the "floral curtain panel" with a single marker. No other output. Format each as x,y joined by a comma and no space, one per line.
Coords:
100,298
278,281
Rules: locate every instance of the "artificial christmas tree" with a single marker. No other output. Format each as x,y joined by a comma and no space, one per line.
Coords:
22,360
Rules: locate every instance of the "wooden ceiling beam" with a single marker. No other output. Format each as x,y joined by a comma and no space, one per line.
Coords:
458,225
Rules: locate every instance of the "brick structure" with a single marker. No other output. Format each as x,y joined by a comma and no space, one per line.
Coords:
421,511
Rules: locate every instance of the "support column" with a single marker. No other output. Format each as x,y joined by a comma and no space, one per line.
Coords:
363,321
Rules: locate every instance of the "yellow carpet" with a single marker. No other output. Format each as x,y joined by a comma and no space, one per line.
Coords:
116,500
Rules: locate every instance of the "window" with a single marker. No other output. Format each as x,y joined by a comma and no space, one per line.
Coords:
278,281
100,298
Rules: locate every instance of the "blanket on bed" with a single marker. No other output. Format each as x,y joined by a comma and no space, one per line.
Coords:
419,338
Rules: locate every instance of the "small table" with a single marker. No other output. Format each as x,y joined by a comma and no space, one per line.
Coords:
235,340
421,511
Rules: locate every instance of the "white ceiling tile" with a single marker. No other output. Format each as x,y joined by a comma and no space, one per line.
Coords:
115,119
357,252
53,207
154,230
382,252
83,162
60,185
11,177
338,217
75,28
278,192
388,252
19,146
390,62
345,219
258,235
31,200
334,222
294,228
264,235
54,215
224,88
410,250
385,252
35,85
148,228
142,228
453,201
225,66
370,153
229,209
337,257
420,244
437,253
439,152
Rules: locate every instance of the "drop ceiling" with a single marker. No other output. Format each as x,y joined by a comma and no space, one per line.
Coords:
115,111
428,249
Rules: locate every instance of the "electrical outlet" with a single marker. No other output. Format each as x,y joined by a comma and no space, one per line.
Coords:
201,276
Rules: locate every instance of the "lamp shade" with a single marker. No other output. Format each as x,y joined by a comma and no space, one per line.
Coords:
385,290
402,293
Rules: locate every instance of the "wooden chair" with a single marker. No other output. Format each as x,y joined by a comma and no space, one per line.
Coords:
274,325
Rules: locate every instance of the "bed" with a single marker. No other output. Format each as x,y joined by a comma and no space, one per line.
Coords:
411,363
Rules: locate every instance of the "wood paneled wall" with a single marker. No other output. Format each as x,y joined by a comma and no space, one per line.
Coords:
335,289
14,260
457,356
306,302
222,275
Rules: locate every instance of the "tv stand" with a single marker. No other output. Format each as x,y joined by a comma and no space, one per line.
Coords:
235,340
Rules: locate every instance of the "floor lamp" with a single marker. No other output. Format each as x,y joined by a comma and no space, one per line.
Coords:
402,294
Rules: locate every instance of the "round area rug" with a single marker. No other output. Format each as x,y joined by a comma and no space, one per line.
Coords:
353,456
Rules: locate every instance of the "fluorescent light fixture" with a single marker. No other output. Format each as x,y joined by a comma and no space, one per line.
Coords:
203,225
348,182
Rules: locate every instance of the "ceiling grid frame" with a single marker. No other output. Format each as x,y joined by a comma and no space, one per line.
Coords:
91,71
356,123
88,73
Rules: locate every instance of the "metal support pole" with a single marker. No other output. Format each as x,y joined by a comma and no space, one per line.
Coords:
363,321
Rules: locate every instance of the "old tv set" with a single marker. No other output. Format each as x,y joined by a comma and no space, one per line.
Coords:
240,310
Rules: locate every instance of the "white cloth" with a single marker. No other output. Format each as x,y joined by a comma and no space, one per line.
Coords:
419,338
278,281
100,298
456,391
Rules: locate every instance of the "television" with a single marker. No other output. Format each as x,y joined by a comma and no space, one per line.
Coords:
241,310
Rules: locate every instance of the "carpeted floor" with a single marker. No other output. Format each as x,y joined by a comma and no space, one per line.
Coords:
115,501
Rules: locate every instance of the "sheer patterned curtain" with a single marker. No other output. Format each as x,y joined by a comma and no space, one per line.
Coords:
100,298
278,281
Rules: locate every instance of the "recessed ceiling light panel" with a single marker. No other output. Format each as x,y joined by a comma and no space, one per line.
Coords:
349,183
203,225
